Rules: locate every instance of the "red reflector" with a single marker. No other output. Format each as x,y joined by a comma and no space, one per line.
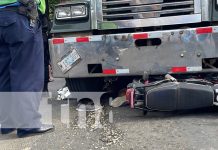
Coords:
58,41
140,36
109,71
204,30
82,39
178,69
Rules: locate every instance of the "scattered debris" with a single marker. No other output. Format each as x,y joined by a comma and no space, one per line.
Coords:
110,134
63,93
98,121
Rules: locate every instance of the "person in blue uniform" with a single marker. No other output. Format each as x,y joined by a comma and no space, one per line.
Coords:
21,71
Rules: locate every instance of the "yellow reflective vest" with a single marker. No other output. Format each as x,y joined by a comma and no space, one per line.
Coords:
41,4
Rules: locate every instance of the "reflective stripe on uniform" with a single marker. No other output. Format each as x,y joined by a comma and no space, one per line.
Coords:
6,2
42,6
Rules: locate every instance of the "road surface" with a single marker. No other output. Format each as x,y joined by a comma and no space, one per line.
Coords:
130,130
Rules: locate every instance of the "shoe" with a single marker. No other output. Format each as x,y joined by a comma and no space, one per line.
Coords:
35,131
7,130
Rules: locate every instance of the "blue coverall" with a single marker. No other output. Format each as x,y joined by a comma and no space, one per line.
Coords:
21,69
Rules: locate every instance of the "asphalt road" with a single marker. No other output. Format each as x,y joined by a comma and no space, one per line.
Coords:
130,130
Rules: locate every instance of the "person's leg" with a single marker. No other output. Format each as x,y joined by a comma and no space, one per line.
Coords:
46,63
27,63
45,88
26,71
4,67
5,101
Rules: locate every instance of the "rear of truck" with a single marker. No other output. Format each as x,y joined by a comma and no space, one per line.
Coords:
100,41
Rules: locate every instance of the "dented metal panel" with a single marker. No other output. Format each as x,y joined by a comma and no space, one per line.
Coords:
119,55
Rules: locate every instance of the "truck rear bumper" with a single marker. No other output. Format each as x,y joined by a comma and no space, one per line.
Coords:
158,52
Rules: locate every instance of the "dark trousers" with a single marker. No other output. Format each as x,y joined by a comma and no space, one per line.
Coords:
21,67
45,28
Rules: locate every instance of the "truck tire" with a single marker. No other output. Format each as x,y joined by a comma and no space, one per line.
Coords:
85,84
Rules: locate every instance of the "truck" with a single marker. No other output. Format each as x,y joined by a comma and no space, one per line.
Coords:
102,45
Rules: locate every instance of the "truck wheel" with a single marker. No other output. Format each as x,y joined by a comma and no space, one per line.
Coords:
85,84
